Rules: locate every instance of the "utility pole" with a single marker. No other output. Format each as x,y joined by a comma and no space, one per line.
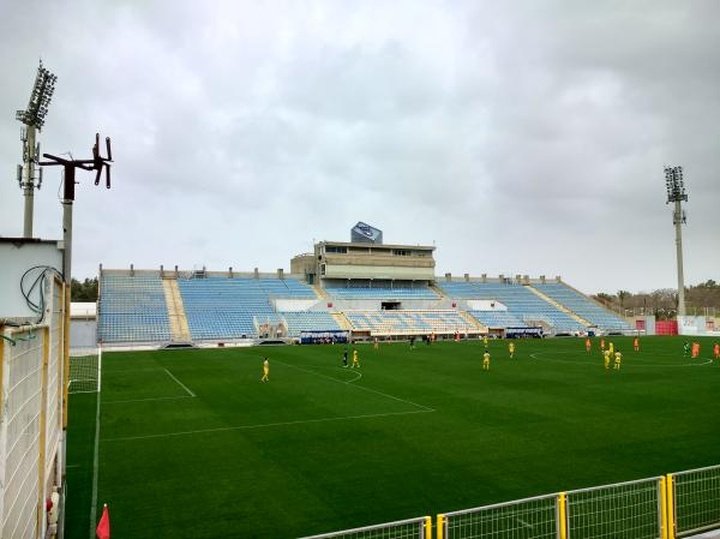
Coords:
97,163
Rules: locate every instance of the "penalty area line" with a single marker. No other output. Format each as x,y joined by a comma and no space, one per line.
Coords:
150,399
263,426
180,383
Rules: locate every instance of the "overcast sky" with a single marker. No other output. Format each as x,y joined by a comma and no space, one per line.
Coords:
523,137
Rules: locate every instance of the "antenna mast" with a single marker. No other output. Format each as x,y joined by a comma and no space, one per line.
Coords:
98,164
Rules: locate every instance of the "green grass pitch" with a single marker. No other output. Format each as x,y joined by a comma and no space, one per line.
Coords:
192,444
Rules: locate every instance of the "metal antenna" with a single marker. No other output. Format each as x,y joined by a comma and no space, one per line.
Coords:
675,186
33,118
97,163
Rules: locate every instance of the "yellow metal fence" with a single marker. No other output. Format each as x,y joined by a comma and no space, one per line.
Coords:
672,506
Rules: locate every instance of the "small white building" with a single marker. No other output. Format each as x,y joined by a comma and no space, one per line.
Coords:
83,327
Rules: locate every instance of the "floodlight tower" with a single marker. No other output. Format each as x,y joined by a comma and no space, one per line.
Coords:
33,118
675,186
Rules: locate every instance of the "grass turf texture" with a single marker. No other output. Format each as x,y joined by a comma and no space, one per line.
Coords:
414,432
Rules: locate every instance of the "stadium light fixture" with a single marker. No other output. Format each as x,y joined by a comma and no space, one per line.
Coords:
40,97
675,184
33,118
675,188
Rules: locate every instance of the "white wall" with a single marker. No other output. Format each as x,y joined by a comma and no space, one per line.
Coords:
16,257
83,334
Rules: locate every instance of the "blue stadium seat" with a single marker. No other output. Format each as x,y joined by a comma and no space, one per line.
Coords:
584,307
226,308
409,322
521,303
132,309
380,290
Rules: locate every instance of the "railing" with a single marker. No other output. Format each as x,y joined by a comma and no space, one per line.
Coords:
414,528
696,496
632,510
532,517
665,507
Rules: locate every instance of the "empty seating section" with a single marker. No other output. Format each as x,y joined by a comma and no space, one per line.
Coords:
584,307
408,322
379,290
309,321
521,302
286,288
223,308
132,309
498,319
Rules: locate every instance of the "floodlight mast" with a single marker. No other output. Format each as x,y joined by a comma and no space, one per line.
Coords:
675,186
33,118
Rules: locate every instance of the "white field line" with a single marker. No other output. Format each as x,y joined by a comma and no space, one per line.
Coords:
150,399
262,426
386,395
116,372
180,383
96,457
358,375
597,360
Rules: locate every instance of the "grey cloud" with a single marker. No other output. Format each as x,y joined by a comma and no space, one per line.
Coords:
522,137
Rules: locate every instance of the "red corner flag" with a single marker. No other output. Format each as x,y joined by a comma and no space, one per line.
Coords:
103,528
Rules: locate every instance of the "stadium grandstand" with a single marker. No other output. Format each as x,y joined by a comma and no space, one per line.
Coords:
363,287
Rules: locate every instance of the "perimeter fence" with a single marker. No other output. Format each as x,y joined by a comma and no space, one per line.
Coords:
413,528
696,500
675,505
32,400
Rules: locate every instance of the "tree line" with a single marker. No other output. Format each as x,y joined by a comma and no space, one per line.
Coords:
84,291
700,300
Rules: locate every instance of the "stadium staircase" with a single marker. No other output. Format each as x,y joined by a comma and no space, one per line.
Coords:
474,322
320,292
179,329
559,306
342,321
439,291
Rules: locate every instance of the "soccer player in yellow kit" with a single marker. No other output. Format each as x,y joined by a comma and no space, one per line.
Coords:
486,361
266,371
606,358
611,347
511,349
618,359
356,361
